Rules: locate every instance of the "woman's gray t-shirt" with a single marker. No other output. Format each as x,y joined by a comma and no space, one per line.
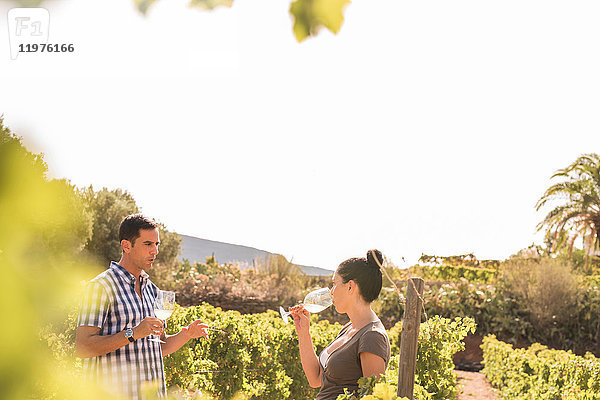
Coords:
343,367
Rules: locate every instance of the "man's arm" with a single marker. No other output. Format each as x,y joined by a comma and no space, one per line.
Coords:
88,342
174,342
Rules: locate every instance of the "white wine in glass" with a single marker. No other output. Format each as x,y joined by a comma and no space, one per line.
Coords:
314,302
164,305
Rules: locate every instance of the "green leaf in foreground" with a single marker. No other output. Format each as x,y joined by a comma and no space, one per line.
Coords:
144,5
210,4
311,15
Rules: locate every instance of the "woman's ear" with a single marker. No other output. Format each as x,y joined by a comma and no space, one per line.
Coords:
351,286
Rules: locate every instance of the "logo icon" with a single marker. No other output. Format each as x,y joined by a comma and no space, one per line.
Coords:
27,26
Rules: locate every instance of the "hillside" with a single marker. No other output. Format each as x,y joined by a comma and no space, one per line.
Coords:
197,250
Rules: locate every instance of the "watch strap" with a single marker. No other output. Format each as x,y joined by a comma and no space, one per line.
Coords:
129,335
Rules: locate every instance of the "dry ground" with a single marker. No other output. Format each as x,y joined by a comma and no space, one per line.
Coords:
475,386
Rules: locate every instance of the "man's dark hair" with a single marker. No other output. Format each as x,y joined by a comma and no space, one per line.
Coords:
366,272
131,225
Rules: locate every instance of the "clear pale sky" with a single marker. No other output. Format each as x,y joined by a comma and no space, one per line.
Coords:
422,127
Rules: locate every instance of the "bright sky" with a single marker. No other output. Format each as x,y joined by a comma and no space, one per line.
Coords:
422,127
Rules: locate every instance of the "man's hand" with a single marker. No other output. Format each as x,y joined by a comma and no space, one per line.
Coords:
197,329
148,326
194,330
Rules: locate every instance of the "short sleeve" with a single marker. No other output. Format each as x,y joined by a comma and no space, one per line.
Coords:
94,306
375,342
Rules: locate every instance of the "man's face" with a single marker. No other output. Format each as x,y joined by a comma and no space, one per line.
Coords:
144,251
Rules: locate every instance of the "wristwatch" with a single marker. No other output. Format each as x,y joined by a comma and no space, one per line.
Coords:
129,334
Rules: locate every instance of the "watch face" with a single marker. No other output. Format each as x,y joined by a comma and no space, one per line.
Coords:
129,333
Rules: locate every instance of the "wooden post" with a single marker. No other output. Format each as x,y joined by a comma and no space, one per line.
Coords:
409,337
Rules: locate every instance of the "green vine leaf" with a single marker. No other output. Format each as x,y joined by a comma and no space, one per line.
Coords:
311,15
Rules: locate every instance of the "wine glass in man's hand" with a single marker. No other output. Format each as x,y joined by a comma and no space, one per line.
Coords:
164,305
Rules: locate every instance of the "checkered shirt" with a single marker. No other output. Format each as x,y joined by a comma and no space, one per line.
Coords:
111,304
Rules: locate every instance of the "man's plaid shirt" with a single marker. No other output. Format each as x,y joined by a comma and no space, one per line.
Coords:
111,304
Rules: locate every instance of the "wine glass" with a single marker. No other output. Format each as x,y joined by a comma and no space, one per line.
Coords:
316,301
164,305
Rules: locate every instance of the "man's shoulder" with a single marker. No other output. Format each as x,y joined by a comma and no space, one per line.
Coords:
106,279
104,275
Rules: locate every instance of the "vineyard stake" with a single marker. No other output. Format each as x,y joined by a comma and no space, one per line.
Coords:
409,337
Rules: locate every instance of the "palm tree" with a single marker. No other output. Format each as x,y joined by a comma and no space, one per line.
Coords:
577,213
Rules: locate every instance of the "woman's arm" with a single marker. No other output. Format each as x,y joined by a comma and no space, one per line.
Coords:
308,357
371,364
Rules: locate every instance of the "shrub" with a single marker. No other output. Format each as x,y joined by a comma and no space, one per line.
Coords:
455,273
257,354
540,373
499,309
439,339
548,288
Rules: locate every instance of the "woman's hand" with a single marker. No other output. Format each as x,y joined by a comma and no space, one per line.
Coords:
308,358
301,319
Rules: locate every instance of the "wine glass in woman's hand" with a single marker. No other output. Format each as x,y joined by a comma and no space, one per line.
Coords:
314,302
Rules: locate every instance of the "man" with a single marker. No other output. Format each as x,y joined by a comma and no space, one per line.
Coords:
116,319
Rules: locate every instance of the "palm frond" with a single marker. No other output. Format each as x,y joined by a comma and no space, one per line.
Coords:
577,210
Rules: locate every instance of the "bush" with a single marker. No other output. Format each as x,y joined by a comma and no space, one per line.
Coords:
548,289
568,321
455,273
257,354
560,307
271,283
439,339
540,373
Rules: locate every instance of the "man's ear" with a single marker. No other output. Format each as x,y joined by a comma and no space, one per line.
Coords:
126,245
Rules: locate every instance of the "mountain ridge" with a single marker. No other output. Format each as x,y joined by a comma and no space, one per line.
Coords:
196,249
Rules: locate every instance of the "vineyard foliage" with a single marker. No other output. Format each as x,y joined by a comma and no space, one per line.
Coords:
516,310
439,339
540,373
256,356
455,273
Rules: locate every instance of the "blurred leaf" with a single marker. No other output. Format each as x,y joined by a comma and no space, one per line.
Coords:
143,5
311,15
43,227
28,3
210,4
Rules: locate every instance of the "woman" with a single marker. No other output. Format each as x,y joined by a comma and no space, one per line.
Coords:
362,347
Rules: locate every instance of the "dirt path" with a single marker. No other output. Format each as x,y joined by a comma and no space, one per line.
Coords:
474,386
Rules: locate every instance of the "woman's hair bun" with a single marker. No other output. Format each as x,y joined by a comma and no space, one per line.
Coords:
374,259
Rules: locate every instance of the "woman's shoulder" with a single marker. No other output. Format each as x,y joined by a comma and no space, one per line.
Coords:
376,325
374,328
374,339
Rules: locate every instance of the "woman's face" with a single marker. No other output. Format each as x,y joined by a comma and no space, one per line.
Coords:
339,293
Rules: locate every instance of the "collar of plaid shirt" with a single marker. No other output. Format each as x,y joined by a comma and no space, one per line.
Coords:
128,276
